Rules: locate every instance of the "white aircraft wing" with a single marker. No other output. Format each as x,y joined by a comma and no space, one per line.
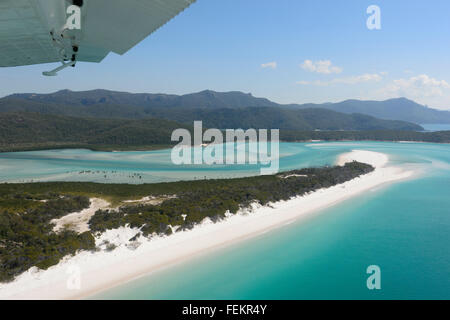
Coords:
32,31
24,39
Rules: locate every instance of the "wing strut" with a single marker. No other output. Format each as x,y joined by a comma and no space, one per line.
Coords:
55,71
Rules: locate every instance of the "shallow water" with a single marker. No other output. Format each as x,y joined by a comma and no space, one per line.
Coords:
136,167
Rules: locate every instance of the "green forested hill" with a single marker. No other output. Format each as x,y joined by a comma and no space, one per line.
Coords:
284,119
28,131
249,117
218,110
107,104
19,130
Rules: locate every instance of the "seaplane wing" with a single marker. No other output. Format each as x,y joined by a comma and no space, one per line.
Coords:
43,31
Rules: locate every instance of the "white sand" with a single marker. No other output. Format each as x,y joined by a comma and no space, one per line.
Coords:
295,175
78,221
150,200
102,270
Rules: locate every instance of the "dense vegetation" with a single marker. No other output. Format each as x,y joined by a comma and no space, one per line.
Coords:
213,198
280,118
22,131
31,131
26,236
371,135
26,233
108,120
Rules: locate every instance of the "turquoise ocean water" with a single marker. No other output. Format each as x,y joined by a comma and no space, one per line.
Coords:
436,127
404,228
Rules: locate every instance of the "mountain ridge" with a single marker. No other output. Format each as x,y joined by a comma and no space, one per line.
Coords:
119,104
401,109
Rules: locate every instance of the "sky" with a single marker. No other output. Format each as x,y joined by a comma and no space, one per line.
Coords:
289,51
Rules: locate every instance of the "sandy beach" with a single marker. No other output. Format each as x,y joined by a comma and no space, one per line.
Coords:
88,273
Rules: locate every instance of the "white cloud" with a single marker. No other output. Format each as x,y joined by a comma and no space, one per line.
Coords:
321,66
347,80
421,86
272,65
